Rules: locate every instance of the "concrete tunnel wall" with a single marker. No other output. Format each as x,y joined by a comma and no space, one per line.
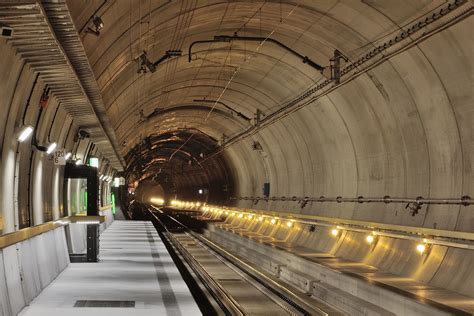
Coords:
16,158
404,128
29,266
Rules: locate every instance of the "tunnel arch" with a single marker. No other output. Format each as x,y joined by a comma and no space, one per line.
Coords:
377,155
398,124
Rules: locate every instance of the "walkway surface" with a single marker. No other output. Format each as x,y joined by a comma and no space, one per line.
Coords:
135,276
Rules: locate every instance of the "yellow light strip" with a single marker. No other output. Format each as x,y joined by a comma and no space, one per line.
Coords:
431,236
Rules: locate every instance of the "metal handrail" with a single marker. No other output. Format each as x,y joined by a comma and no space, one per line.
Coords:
12,238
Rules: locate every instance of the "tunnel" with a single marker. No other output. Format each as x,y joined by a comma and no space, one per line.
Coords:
217,157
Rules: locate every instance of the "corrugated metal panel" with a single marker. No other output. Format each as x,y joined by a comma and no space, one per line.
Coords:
45,37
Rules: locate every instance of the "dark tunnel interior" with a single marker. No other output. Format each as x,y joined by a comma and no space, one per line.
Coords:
185,163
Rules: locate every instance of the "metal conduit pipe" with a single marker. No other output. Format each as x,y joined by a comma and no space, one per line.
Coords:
235,37
200,42
464,200
226,106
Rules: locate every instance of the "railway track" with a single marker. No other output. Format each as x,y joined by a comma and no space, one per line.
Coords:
232,286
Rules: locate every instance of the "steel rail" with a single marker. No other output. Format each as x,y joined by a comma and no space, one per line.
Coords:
220,293
277,289
222,297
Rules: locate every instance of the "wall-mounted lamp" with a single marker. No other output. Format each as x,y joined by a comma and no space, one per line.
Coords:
372,240
335,232
423,248
25,133
94,162
98,26
98,23
67,156
78,162
51,148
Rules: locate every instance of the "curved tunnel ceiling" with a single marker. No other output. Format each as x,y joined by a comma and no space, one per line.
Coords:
372,135
267,75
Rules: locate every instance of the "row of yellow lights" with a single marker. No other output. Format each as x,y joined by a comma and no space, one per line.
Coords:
157,200
185,204
372,238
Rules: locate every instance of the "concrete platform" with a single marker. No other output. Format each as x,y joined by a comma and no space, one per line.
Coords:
136,275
